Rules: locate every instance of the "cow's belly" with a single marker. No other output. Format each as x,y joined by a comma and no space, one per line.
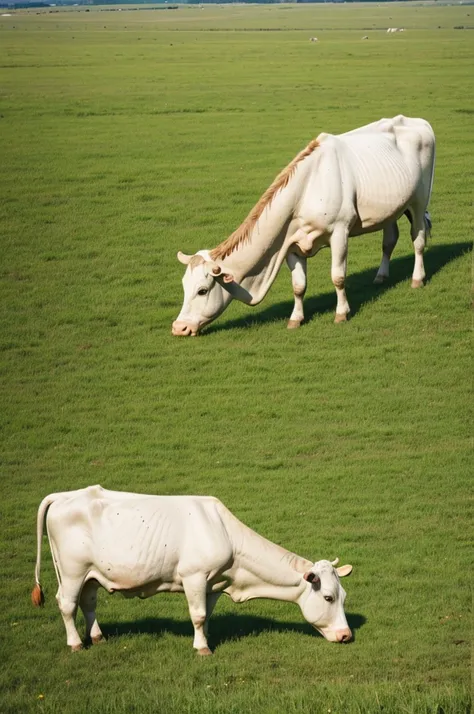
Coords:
134,547
148,589
140,579
373,218
384,205
385,185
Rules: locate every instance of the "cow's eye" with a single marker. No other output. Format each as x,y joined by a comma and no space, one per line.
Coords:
329,598
203,291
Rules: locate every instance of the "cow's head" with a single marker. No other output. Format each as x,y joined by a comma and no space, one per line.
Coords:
322,601
204,295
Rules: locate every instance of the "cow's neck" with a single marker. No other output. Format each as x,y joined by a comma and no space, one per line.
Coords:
255,262
263,569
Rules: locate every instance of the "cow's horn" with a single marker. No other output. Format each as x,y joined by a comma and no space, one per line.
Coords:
183,258
334,562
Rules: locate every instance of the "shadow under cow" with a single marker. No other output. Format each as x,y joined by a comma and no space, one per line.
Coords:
222,628
360,288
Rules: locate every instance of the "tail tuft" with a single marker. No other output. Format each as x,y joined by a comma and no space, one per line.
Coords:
37,597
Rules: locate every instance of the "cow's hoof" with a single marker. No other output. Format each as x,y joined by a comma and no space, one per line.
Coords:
76,648
293,324
379,279
417,283
100,639
205,652
341,317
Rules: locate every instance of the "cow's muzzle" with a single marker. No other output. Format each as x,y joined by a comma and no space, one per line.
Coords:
344,635
180,328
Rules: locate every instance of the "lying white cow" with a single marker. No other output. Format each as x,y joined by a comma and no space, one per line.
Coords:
142,545
337,187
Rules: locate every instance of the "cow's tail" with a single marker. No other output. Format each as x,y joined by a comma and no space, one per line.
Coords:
427,220
428,224
427,217
37,596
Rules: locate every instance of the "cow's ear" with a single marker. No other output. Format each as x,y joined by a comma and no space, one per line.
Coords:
344,570
216,271
213,268
312,578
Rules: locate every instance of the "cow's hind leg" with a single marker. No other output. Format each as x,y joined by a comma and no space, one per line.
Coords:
88,604
67,598
195,590
390,238
297,265
420,226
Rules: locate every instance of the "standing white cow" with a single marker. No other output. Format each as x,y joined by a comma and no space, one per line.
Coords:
337,187
142,545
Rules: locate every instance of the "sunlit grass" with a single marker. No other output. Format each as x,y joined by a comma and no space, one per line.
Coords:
127,136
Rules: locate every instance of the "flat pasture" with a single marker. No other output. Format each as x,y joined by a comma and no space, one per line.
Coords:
127,136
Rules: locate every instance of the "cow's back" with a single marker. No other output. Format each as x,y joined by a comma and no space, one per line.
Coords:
388,144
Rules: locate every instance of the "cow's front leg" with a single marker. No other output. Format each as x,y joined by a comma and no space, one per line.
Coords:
195,590
339,240
211,599
420,227
390,238
297,265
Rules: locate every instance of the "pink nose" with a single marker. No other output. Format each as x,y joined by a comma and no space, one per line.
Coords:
183,329
343,635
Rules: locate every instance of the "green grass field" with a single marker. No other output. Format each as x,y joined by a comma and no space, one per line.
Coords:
126,137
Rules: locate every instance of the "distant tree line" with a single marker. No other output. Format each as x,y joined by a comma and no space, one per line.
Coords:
26,4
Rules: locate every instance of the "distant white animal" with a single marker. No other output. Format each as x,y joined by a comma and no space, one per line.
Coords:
365,37
337,187
313,39
392,29
142,545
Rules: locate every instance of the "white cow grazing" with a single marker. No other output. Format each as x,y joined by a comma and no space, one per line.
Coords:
141,545
337,187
